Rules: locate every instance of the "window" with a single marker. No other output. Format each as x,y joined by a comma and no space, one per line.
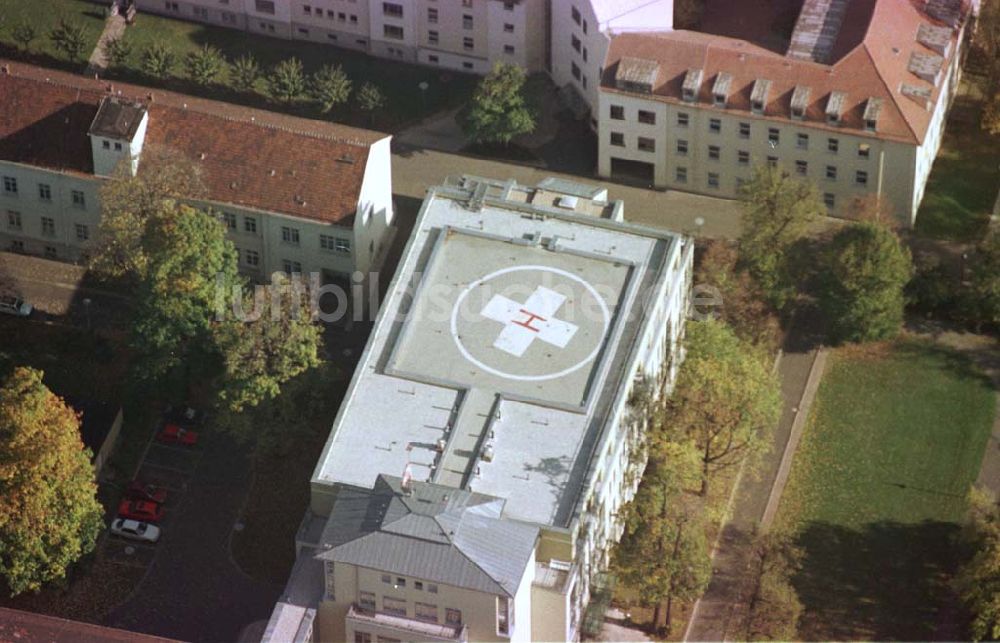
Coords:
864,150
744,130
44,192
50,252
772,161
393,606
802,141
291,267
250,225
467,22
832,145
829,200
743,157
17,245
432,16
432,588
714,125
508,49
576,15
647,117
617,112
252,258
106,145
714,152
265,6
713,180
78,199
362,637
392,31
426,612
831,172
392,9
503,616
617,139
647,144
290,235
387,579
861,177
682,147
13,220
418,584
452,616
10,185
773,136
82,232
801,168
681,175
682,119
400,582
48,227
508,28
468,43
433,37
575,42
366,600
118,146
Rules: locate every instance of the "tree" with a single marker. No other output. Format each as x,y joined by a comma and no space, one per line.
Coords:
499,111
70,38
330,87
259,355
370,99
983,293
189,260
128,203
772,604
158,61
205,65
873,208
865,270
24,34
287,81
777,210
987,44
118,51
244,73
978,581
744,307
49,514
725,396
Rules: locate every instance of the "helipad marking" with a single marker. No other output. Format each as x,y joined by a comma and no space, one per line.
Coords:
605,315
524,324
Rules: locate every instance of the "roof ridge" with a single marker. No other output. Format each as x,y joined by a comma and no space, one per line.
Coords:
475,563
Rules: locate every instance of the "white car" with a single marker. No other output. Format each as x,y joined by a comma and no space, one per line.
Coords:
12,305
135,530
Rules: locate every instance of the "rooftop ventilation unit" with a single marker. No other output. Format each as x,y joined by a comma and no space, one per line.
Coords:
567,202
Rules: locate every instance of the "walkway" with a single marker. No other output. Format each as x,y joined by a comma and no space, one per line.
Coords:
114,27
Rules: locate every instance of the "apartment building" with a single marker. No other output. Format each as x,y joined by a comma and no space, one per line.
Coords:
296,195
856,103
465,35
473,482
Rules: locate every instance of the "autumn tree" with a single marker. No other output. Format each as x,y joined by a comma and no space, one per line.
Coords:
777,211
865,273
772,606
49,514
370,99
71,39
330,87
205,65
982,296
499,110
287,81
978,581
244,72
725,397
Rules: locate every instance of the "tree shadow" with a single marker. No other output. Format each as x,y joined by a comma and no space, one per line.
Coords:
886,580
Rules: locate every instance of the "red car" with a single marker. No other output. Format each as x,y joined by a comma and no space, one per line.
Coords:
143,510
173,434
140,491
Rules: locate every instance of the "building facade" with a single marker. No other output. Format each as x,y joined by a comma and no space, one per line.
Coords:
296,195
474,479
862,115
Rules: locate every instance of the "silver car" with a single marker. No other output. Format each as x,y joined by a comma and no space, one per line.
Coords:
135,530
12,305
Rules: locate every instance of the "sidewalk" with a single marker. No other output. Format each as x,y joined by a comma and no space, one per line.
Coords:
114,27
715,614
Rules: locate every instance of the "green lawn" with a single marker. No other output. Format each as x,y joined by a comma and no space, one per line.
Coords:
44,16
877,491
962,186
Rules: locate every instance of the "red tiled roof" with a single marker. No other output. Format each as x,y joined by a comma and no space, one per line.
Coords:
872,66
250,158
28,627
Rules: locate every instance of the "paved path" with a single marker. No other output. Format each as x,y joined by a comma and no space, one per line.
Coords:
715,614
114,27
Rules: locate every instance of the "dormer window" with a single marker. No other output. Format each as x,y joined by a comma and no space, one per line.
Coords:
800,102
873,106
835,107
691,85
636,75
758,96
720,91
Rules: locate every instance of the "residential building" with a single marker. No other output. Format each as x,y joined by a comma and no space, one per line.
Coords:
856,102
474,479
465,35
296,195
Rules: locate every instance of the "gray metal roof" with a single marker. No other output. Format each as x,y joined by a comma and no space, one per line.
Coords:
117,118
435,533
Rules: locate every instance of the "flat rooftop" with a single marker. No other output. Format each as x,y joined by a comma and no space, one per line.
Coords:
500,346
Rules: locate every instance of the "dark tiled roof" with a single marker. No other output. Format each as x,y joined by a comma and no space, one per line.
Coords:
28,627
117,118
250,158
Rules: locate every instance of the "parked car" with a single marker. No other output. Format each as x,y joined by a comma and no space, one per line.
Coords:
173,434
12,305
135,530
143,510
183,415
138,490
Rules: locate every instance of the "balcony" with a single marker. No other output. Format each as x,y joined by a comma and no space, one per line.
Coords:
406,628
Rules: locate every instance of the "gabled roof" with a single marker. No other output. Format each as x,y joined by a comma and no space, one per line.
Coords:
437,533
250,158
28,627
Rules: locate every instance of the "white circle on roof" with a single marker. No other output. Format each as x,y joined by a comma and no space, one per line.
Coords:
524,323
